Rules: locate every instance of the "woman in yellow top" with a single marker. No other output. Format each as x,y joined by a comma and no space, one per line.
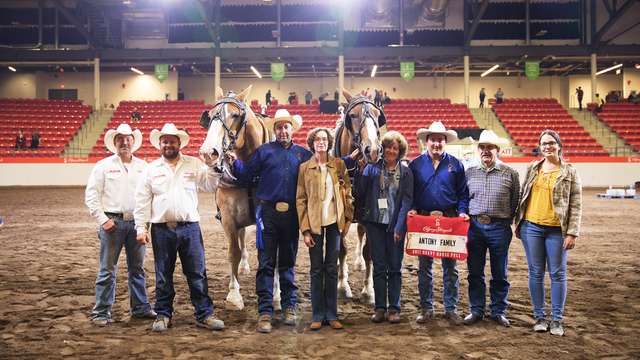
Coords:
325,208
548,223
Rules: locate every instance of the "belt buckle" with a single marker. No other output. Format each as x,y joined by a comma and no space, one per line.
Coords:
484,219
172,225
436,213
282,206
127,217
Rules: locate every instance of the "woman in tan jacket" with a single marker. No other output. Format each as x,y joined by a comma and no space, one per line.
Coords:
548,223
325,208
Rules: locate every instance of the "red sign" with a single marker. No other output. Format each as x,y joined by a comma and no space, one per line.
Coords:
436,236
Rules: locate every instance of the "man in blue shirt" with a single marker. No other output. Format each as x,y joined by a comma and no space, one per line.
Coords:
439,188
276,163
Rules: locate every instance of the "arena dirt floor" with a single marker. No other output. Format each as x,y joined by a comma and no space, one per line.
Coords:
49,258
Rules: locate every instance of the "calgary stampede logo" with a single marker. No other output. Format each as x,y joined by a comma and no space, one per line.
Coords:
438,229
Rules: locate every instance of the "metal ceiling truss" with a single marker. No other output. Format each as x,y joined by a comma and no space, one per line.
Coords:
76,22
615,15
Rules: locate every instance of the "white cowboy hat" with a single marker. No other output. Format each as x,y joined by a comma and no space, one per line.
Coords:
123,129
283,115
168,129
437,127
490,137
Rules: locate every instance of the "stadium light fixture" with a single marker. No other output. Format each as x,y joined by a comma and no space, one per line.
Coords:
255,71
490,70
373,71
12,69
618,71
637,66
137,71
609,69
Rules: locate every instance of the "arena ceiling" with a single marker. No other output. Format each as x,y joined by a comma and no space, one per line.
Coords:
308,35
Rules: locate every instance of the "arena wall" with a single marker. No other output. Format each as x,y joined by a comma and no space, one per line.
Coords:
624,172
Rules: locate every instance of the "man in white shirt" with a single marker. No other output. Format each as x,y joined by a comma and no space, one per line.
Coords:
167,197
110,198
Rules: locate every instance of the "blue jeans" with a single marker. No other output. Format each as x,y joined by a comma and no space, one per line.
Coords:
544,246
387,266
280,246
185,240
324,274
449,279
496,238
111,244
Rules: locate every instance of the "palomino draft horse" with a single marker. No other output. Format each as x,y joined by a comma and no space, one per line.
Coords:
359,130
234,127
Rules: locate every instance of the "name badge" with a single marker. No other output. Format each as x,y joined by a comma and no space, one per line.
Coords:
382,203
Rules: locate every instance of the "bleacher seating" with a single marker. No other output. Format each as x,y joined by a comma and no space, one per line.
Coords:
184,114
623,119
525,119
403,115
57,121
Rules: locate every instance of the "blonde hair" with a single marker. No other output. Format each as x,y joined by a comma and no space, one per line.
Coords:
392,136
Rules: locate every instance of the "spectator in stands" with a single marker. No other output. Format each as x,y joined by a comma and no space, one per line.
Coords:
21,141
386,99
391,181
548,223
440,189
110,198
378,98
494,191
468,158
499,95
267,98
483,94
35,139
307,97
579,95
325,208
599,103
336,96
633,97
263,110
322,97
292,97
135,115
167,197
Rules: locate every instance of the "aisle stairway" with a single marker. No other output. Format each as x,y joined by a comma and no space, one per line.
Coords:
87,136
615,145
486,119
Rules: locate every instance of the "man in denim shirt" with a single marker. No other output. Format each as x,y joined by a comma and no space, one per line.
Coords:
440,189
277,231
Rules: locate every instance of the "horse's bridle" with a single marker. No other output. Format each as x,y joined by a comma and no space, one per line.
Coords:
229,138
367,105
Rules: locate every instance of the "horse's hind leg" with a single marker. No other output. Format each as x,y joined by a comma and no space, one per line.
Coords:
243,268
234,298
276,292
358,263
344,290
367,294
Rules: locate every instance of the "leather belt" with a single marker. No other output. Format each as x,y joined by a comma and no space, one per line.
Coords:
280,206
125,216
446,213
486,219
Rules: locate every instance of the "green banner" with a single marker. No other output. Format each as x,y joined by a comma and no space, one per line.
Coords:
407,70
532,69
277,71
162,72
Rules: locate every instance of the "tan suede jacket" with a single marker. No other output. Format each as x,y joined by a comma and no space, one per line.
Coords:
567,197
308,202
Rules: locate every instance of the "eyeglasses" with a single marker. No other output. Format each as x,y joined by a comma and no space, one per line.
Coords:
549,143
319,139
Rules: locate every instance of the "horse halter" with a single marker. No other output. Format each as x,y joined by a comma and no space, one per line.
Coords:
221,115
364,114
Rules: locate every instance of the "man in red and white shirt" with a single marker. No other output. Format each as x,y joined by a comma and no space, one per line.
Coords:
110,198
167,197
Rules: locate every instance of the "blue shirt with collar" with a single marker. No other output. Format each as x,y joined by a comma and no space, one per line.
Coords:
277,168
442,188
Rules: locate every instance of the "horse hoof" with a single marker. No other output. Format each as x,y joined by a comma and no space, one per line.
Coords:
276,305
234,302
244,269
367,296
345,293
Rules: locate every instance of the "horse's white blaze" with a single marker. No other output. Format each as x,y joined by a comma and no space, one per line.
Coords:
213,141
372,137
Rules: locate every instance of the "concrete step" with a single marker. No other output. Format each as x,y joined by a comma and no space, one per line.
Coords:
487,119
83,142
613,143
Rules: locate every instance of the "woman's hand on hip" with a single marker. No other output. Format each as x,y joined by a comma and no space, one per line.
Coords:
569,242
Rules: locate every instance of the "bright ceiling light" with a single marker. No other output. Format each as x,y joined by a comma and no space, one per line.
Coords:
490,70
137,71
609,69
618,71
255,71
12,69
373,71
637,66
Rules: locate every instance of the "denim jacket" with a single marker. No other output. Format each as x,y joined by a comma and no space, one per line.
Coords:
567,197
369,189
